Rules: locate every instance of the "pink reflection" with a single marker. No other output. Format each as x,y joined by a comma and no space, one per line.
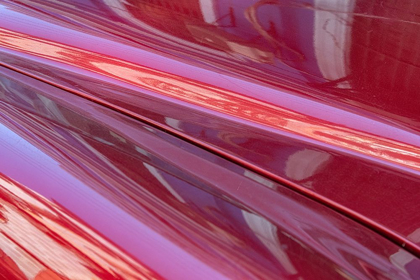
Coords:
220,100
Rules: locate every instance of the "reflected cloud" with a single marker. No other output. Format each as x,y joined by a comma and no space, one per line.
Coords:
305,163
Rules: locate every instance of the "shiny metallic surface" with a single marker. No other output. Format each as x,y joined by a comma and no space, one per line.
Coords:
320,96
88,193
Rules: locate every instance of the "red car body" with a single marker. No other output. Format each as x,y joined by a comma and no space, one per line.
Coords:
209,139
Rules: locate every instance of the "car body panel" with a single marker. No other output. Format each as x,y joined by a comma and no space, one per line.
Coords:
315,96
89,193
276,105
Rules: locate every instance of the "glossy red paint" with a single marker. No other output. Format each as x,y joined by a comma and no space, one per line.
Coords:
305,93
360,138
264,106
92,194
313,94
